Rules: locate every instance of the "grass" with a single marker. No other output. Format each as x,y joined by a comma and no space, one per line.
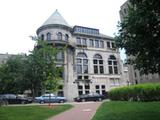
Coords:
30,112
120,110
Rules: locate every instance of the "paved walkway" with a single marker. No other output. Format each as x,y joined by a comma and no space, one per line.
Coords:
80,111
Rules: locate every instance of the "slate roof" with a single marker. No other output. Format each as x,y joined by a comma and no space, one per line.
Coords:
56,18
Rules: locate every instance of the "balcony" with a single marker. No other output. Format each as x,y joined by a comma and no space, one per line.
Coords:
61,43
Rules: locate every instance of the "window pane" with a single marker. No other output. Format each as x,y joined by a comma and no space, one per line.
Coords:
116,70
79,69
108,45
85,61
80,92
80,87
95,69
82,55
103,86
110,70
96,43
114,62
87,91
84,41
79,61
66,37
109,62
85,77
97,91
112,57
103,92
100,61
59,36
60,56
97,56
42,37
78,40
113,45
97,86
48,36
94,61
87,87
79,77
85,68
101,69
91,43
101,44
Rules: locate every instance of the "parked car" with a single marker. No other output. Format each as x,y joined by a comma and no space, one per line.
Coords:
3,100
50,98
14,99
90,97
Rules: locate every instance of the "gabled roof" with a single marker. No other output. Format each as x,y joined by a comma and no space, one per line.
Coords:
56,18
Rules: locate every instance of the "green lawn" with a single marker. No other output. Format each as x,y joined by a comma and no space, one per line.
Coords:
119,110
30,112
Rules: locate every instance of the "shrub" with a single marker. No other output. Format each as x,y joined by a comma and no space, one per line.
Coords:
141,92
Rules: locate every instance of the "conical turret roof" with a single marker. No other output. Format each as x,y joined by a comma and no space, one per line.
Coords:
56,18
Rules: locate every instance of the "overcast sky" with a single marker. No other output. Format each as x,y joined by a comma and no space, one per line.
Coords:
21,18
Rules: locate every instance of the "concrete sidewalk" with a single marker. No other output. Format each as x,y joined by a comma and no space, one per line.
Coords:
81,111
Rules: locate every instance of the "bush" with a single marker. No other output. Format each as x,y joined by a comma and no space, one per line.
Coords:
141,92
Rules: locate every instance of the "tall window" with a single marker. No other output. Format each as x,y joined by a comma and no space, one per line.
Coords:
112,65
84,41
96,43
101,45
66,37
98,64
108,45
60,57
42,37
59,36
78,41
48,36
91,42
82,63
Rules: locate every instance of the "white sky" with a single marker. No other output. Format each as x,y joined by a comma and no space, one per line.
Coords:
21,18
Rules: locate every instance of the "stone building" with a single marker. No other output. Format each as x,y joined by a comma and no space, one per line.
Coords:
91,61
4,57
134,75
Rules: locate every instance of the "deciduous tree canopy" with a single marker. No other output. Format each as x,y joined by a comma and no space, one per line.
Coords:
139,35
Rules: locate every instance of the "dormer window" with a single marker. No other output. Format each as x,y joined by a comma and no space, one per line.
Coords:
48,36
59,36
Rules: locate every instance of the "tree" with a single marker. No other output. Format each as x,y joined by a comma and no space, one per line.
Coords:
139,35
42,66
12,75
52,83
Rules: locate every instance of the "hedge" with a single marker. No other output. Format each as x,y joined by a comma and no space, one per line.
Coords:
141,92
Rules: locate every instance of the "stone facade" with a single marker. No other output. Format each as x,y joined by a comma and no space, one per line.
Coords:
4,57
91,61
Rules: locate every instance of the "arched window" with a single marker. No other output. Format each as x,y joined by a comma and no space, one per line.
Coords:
66,37
42,37
48,36
112,65
59,36
82,63
98,64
